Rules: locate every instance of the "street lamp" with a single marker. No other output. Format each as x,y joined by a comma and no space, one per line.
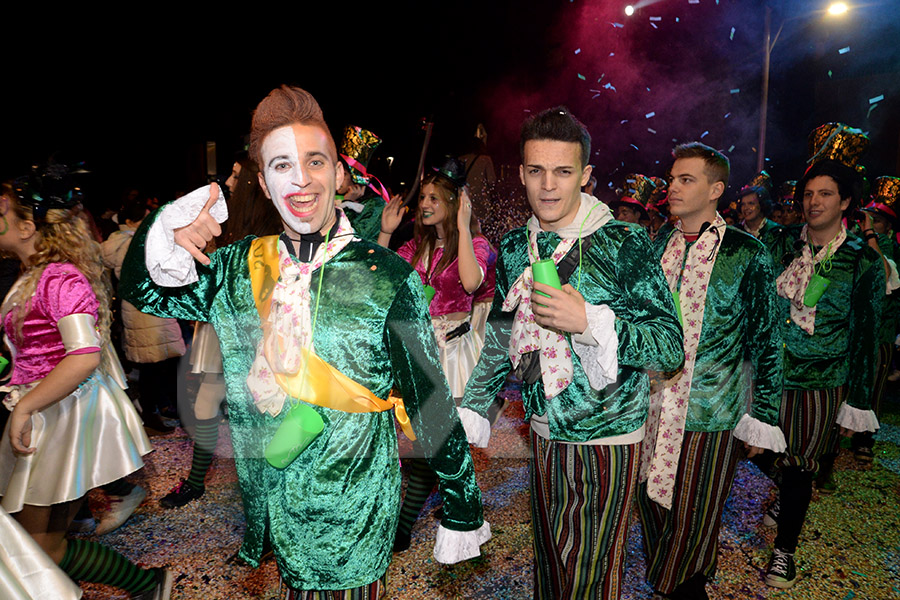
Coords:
834,9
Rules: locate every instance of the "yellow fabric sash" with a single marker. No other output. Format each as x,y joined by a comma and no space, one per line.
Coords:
315,382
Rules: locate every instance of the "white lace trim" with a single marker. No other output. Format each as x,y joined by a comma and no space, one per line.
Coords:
857,419
169,264
600,361
759,434
478,429
893,280
451,547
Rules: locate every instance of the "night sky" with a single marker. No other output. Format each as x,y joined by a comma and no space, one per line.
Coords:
139,97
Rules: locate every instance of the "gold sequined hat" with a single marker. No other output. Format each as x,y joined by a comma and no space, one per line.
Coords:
357,147
760,181
636,193
838,142
885,197
786,194
660,195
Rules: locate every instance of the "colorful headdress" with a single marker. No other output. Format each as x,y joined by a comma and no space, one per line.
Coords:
885,198
786,194
838,142
48,187
357,147
761,182
636,193
660,195
452,170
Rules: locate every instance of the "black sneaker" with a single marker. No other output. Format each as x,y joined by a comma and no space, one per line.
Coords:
181,494
402,541
781,573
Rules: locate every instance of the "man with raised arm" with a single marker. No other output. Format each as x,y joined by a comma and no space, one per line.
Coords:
314,320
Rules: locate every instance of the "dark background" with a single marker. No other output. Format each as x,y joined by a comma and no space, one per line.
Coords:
138,93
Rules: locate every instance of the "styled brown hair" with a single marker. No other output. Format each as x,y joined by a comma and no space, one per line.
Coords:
284,106
557,124
426,235
717,166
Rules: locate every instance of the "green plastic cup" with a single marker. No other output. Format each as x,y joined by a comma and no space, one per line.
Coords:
300,427
544,271
814,289
429,294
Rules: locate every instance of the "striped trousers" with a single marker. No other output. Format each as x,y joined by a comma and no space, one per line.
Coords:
580,504
684,541
808,420
372,591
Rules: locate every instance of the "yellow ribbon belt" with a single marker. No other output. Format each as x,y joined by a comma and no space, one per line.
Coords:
322,385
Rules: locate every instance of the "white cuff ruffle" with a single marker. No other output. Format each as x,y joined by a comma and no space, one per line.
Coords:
893,280
600,361
350,204
451,547
761,435
478,429
857,419
169,264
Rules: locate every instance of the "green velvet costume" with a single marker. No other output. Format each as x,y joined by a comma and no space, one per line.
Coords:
617,270
332,513
769,230
844,345
890,309
737,325
367,224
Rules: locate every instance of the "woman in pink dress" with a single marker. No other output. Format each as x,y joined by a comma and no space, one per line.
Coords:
72,428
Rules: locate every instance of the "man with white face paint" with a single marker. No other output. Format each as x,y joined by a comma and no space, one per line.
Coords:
318,322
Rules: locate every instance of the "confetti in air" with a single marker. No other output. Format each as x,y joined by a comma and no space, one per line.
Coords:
704,134
731,37
581,77
844,50
578,51
876,99
653,131
649,114
736,91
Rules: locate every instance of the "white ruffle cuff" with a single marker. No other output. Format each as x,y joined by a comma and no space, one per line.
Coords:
600,359
761,435
451,547
893,280
857,419
478,429
169,264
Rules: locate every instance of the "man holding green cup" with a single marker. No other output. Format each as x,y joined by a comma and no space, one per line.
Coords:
581,310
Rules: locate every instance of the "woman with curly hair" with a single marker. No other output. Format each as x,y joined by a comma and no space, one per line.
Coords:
72,428
452,260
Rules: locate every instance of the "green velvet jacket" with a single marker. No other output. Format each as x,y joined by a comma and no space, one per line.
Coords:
333,511
617,270
739,325
769,230
890,311
844,346
367,224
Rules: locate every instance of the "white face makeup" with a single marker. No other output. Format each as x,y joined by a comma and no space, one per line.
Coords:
299,175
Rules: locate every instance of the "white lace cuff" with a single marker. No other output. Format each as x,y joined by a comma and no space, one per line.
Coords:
169,264
451,547
350,204
601,359
893,280
478,429
759,434
857,419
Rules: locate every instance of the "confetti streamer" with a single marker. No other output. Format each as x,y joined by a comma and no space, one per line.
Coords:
727,115
876,99
653,25
829,73
844,50
623,121
578,51
731,149
617,25
731,37
704,134
609,86
636,148
581,77
612,53
653,131
656,19
649,114
736,91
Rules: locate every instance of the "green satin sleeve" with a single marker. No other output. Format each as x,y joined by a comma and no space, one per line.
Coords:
764,344
418,374
647,325
494,364
191,303
865,315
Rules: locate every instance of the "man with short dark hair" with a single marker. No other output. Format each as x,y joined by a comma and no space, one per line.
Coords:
724,283
316,327
582,352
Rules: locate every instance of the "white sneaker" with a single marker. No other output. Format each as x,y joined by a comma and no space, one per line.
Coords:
120,508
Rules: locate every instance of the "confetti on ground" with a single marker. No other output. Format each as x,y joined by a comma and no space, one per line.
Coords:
848,548
844,50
